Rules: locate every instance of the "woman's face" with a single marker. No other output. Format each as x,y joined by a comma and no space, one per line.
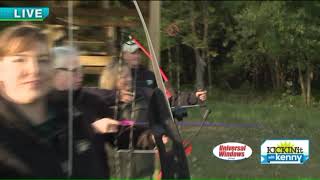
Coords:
71,69
125,80
133,59
26,76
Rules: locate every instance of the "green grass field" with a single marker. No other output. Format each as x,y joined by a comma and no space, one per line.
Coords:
276,120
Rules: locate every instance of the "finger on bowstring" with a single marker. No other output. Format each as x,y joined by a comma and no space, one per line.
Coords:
112,121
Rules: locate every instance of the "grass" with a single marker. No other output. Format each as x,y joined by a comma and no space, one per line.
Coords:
277,121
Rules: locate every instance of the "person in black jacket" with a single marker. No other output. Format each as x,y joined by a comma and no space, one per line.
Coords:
151,117
117,77
94,103
33,127
142,77
68,74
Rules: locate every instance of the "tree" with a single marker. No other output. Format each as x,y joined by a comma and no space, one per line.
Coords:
194,19
281,35
301,32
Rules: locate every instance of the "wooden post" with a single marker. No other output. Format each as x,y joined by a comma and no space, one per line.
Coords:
154,26
111,41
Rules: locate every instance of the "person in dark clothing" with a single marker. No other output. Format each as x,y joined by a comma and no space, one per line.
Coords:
33,127
140,74
117,77
146,109
134,108
93,103
91,108
142,77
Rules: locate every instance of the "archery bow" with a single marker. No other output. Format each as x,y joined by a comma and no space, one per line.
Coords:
178,150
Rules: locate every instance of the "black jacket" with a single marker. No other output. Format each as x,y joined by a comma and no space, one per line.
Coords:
183,98
42,151
94,104
137,111
143,77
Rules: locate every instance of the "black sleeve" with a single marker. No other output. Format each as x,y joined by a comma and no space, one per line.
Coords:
183,98
146,78
97,103
107,96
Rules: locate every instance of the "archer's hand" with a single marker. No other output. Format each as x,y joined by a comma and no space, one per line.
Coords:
105,125
126,96
201,95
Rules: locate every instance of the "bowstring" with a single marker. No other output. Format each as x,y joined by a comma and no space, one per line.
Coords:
116,112
132,117
116,116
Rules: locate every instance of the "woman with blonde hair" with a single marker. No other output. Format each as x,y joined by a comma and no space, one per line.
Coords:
117,76
133,108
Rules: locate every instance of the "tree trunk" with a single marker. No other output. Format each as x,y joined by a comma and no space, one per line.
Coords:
200,64
265,77
306,81
209,76
205,40
169,61
277,73
178,67
272,74
309,77
302,84
199,69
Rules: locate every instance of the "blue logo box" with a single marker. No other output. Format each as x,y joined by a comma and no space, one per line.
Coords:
285,151
23,13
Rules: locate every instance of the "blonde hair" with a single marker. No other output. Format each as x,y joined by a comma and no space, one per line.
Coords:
111,74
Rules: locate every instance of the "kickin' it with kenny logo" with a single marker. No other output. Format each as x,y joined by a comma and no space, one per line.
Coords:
285,151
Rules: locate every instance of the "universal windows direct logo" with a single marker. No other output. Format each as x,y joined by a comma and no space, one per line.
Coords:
23,13
288,151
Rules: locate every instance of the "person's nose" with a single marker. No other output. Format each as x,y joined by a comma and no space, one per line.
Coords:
79,77
33,66
129,79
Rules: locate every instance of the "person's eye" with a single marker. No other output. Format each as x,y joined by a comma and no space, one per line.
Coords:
44,60
18,60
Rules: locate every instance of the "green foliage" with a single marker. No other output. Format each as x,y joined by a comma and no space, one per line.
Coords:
268,40
182,13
